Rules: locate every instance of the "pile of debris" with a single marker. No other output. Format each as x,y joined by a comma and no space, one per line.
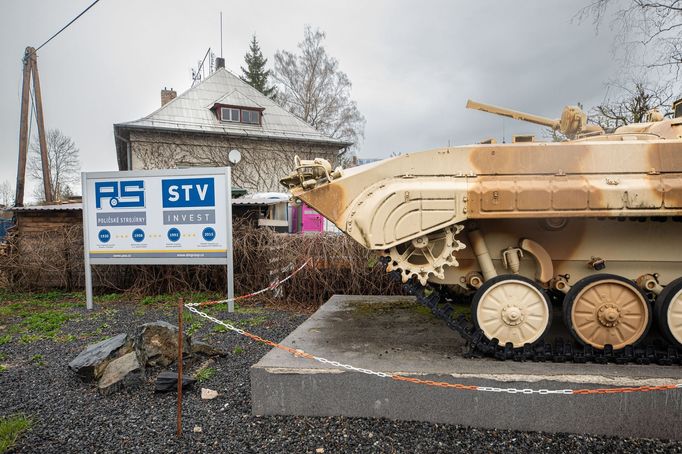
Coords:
120,361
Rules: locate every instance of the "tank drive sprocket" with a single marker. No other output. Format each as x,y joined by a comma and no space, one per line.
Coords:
426,255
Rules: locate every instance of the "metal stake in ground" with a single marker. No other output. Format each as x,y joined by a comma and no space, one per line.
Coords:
180,309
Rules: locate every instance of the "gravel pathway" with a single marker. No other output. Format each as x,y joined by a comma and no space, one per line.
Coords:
70,416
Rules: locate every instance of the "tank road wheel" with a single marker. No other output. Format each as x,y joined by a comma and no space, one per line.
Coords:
512,309
426,255
669,312
607,309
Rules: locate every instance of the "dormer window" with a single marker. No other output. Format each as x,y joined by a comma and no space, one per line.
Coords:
240,115
229,114
251,116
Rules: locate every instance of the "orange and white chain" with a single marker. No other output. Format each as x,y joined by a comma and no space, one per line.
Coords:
192,307
272,286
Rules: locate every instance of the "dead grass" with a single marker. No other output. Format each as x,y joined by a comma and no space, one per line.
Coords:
338,265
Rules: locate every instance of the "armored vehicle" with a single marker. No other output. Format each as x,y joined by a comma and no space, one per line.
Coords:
590,224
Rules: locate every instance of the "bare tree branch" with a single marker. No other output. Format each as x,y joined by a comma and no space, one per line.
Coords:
6,193
312,87
632,102
62,155
648,29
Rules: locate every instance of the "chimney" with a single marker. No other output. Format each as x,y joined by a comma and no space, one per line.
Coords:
167,96
219,62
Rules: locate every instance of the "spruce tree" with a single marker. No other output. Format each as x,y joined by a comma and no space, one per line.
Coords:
255,73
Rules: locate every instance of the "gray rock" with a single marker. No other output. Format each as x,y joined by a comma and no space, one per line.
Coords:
123,372
156,344
91,362
168,381
202,348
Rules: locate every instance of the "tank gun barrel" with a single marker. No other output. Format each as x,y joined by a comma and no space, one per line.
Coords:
516,115
572,123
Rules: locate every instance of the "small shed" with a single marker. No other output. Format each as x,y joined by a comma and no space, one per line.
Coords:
42,218
45,247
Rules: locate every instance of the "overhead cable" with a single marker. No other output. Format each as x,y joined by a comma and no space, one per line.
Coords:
67,25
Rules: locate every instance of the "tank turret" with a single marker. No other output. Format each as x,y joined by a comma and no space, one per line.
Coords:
591,224
573,121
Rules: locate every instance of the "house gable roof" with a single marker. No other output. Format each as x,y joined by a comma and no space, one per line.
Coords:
237,98
191,112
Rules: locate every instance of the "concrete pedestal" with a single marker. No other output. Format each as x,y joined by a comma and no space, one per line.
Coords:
396,335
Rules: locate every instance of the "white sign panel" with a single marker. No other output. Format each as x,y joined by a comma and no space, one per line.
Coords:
178,216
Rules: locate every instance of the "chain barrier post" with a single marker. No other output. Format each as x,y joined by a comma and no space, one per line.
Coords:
181,307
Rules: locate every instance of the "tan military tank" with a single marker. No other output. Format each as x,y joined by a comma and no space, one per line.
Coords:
591,223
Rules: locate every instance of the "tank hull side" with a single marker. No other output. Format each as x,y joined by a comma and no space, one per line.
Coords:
402,198
630,248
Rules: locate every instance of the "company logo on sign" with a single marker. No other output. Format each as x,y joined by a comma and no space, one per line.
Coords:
188,192
121,194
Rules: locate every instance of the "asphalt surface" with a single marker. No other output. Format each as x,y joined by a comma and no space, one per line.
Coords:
71,416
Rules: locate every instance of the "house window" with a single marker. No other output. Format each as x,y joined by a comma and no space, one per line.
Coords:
251,116
238,115
229,114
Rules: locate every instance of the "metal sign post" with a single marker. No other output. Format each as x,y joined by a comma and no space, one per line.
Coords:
158,217
86,242
230,257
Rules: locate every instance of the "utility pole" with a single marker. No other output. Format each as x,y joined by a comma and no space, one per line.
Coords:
31,69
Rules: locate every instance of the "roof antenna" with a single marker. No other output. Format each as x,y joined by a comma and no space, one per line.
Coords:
221,34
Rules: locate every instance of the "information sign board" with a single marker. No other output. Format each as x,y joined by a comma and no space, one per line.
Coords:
156,217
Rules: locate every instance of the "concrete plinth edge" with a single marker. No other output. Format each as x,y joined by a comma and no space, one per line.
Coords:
392,334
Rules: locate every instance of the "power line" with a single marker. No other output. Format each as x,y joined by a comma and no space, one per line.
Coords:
67,25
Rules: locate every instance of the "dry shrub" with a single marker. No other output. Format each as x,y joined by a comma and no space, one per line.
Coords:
47,259
338,265
54,259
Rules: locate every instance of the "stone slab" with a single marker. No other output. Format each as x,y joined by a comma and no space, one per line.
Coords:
394,334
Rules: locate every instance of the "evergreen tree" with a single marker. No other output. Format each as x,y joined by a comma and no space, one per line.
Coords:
255,73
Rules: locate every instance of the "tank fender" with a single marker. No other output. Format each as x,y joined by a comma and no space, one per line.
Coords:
400,209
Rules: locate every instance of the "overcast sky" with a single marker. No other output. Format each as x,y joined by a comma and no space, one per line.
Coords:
413,64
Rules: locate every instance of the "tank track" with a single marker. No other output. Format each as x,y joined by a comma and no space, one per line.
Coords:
560,351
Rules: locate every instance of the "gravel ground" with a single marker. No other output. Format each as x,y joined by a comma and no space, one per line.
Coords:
71,416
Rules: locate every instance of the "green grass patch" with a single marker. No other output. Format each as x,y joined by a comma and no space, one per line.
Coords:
65,339
2,368
205,374
15,309
238,350
29,338
251,322
194,327
188,297
109,298
219,329
6,339
37,360
44,299
47,323
10,430
248,310
41,314
155,300
53,296
140,311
